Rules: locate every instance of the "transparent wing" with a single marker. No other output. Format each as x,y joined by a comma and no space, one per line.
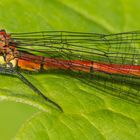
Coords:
121,48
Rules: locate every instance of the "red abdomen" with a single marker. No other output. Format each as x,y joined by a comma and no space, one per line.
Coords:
35,63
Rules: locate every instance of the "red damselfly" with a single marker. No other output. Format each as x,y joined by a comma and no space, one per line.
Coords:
109,59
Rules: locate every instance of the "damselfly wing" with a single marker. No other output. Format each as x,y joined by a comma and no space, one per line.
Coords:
110,63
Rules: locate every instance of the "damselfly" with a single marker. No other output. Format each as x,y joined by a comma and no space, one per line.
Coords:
111,60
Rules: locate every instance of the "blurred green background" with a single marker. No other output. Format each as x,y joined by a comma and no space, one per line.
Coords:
12,115
75,15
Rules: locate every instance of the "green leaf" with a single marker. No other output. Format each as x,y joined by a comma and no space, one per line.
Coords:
88,112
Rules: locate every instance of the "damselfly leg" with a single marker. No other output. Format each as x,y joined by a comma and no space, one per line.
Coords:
12,71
